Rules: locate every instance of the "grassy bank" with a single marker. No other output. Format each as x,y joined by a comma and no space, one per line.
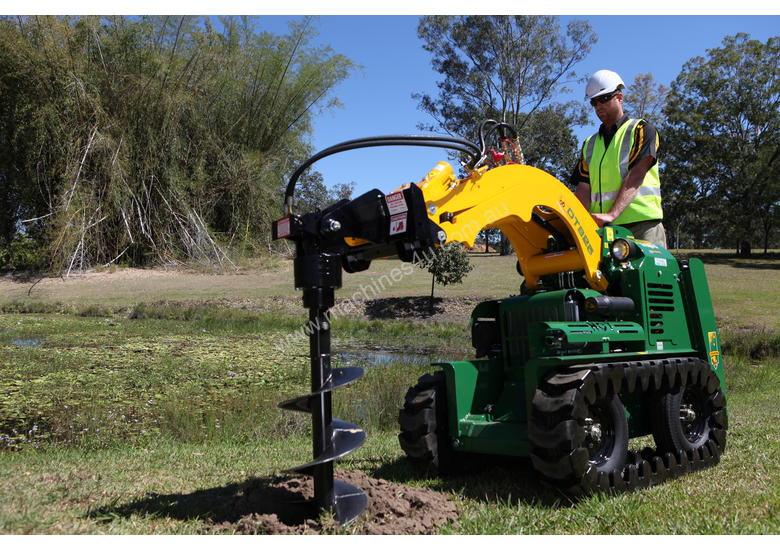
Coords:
744,291
188,488
133,410
154,425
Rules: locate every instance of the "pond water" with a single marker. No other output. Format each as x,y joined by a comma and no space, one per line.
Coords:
379,359
27,343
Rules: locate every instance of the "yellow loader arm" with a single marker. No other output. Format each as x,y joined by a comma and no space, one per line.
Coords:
550,230
528,205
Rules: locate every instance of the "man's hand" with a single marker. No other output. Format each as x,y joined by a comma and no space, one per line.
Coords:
603,219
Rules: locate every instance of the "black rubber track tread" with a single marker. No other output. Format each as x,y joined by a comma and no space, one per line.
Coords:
573,464
417,424
578,382
630,377
421,448
418,398
565,381
558,396
566,434
551,410
719,435
424,427
719,400
721,419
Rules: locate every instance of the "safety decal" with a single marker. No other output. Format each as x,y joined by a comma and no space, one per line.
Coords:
714,358
283,228
396,203
660,261
398,224
714,348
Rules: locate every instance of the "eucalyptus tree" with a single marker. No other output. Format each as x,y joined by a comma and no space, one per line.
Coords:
722,142
511,69
645,98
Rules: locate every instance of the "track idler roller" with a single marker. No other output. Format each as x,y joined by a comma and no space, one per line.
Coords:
558,428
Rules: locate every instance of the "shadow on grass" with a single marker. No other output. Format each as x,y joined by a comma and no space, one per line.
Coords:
499,480
490,479
754,261
218,505
415,307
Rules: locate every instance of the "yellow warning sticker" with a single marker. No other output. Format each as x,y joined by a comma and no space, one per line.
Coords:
713,337
714,353
714,358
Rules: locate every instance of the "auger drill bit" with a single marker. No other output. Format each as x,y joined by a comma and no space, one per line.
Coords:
331,438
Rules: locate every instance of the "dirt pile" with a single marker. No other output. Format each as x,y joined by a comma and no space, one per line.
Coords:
274,506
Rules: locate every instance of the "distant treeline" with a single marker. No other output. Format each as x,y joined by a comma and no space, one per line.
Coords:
152,139
168,139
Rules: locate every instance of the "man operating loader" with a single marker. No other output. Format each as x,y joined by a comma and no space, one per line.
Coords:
617,177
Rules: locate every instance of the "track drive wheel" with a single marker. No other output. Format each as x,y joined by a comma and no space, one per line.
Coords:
578,430
686,415
424,433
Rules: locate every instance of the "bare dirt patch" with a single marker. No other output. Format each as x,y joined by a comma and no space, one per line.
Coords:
273,506
131,285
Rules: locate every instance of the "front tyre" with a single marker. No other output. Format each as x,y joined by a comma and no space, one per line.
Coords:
578,431
423,420
606,435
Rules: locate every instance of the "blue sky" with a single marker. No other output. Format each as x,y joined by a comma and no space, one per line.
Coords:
377,99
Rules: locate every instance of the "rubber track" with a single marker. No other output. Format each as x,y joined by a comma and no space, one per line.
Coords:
562,397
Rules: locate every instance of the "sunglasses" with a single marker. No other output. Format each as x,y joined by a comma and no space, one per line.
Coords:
602,99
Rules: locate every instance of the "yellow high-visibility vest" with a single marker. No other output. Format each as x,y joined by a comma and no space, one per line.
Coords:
608,167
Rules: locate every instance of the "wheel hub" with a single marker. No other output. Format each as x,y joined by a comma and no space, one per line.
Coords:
687,414
592,432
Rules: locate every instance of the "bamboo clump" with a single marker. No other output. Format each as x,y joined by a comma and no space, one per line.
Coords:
158,140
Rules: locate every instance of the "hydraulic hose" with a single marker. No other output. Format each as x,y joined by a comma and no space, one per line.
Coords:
483,135
444,142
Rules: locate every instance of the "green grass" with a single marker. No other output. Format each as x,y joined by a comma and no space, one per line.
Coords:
192,435
169,487
129,416
744,291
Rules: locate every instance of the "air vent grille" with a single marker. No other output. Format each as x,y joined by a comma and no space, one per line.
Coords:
660,298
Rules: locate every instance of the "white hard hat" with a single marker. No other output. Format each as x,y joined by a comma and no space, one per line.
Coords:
603,82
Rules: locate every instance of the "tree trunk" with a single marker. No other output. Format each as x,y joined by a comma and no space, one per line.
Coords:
430,302
767,231
504,247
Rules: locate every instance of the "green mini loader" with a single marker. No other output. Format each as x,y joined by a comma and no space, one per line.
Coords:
609,338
